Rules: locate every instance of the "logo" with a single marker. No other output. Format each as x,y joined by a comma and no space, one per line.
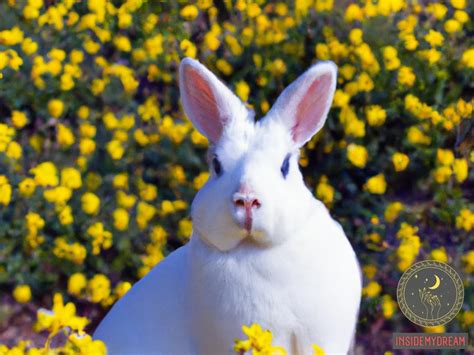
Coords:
430,293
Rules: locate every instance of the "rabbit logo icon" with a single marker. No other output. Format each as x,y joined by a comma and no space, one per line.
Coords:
430,293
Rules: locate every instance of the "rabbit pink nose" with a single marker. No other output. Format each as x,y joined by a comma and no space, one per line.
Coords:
246,201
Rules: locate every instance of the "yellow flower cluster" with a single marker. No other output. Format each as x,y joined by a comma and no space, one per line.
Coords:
409,247
98,164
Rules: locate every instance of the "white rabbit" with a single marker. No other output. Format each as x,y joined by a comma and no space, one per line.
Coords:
263,249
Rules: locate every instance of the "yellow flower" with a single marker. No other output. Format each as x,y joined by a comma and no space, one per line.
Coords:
90,46
431,55
67,82
29,47
324,191
442,174
101,238
14,150
322,51
62,315
259,341
390,58
436,329
410,42
65,216
27,187
200,180
189,12
76,284
357,155
376,184
121,219
124,200
365,82
400,161
87,146
458,4
120,181
370,270
416,136
437,9
77,56
392,211
34,221
465,220
86,344
65,136
434,38
406,76
253,10
317,350
83,112
224,66
115,149
45,174
389,306
19,119
468,261
185,227
188,48
460,169
22,293
352,125
407,251
55,108
468,318
461,16
452,26
11,37
98,288
6,136
324,5
467,58
242,90
372,289
376,115
58,195
90,203
439,255
341,99
148,192
122,43
353,13
233,44
71,178
445,156
122,288
355,36
212,41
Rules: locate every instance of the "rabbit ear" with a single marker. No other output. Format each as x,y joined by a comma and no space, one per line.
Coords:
208,103
303,106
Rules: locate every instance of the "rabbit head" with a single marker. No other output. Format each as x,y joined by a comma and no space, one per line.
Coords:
255,192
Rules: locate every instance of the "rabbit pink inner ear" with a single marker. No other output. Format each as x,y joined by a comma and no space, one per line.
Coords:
311,109
202,104
303,106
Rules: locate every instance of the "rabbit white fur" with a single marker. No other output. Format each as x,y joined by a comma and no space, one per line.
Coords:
283,263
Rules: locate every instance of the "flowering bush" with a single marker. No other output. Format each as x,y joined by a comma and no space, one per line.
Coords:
98,163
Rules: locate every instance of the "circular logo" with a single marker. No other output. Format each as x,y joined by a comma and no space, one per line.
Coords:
430,293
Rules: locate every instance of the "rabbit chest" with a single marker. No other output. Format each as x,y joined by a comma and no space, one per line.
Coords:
299,291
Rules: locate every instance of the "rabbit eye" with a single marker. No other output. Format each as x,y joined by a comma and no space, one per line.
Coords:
216,164
285,166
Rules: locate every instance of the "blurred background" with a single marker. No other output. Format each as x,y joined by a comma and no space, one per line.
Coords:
98,163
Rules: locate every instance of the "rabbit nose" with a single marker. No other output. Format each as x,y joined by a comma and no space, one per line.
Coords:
246,201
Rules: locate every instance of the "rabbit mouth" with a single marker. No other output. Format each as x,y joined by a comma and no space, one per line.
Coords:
245,224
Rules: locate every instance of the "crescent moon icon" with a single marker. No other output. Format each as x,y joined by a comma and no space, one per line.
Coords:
436,284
